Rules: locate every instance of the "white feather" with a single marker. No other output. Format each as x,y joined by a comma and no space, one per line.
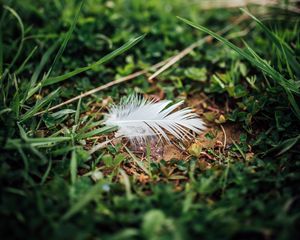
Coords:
138,118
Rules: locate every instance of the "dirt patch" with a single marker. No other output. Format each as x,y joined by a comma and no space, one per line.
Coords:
217,135
172,152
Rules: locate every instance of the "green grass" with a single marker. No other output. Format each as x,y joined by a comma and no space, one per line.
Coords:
62,174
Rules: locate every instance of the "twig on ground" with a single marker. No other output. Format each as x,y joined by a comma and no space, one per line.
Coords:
225,139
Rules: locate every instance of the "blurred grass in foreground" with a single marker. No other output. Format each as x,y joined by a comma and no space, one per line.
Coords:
54,186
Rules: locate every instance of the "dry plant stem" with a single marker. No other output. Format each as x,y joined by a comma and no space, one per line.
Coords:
177,57
225,139
187,50
99,146
205,154
105,86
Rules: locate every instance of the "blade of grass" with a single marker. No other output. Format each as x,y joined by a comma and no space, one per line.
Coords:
1,53
73,166
34,142
30,113
295,106
279,43
21,25
45,176
253,58
77,114
126,183
106,58
289,86
47,140
94,132
239,149
3,16
287,145
22,66
138,162
32,86
90,124
67,38
92,193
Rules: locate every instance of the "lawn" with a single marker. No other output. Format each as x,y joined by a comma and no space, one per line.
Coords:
66,174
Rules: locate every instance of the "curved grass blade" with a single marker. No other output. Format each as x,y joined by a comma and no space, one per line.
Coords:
252,57
22,66
19,20
281,45
33,86
103,130
288,85
67,38
30,113
92,193
106,58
